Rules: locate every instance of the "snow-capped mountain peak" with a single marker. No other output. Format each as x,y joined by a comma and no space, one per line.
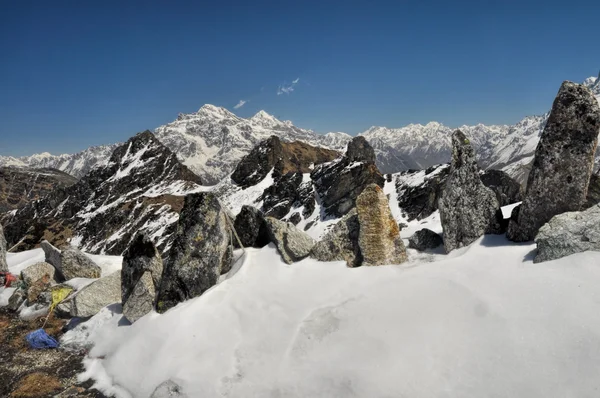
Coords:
264,119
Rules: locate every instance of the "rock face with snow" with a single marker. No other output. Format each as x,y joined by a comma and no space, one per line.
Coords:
341,243
564,158
379,236
201,251
140,277
293,244
425,239
419,191
339,183
467,208
141,188
569,233
97,295
251,228
507,189
3,249
20,185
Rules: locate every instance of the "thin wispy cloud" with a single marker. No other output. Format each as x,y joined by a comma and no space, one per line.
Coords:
240,104
287,88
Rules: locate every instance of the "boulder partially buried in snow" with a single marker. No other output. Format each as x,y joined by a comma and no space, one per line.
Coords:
559,179
70,262
201,251
425,239
3,264
251,228
140,277
169,389
341,243
379,235
292,244
467,208
97,295
36,272
569,233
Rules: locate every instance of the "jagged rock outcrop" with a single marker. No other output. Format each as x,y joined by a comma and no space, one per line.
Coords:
201,251
141,188
379,236
251,228
37,271
3,250
425,239
507,189
339,183
21,185
293,244
569,233
140,277
468,209
564,158
70,262
419,191
341,243
97,295
16,300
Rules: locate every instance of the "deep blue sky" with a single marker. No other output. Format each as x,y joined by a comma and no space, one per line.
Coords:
81,73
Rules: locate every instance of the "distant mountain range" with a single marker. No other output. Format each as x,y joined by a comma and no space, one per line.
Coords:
212,141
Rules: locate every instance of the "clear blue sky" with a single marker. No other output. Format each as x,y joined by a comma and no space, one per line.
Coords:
81,73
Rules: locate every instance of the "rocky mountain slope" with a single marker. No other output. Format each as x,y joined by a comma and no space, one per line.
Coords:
140,188
19,185
211,142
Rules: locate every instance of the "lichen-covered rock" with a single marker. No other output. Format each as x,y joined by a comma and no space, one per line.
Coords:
425,239
201,251
3,249
339,183
250,227
569,233
75,264
292,244
37,271
37,288
168,389
97,295
16,299
379,236
341,243
140,277
507,189
560,175
468,209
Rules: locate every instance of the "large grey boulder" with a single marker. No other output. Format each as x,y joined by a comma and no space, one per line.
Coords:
560,175
3,263
70,262
569,233
97,295
251,228
379,235
425,239
341,242
201,251
292,244
169,389
36,272
507,189
140,277
467,208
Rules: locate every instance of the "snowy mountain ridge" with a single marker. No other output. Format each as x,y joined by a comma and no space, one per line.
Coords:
212,140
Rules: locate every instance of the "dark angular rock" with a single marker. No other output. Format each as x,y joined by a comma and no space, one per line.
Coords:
507,189
340,182
295,218
255,166
562,166
279,198
140,277
468,209
201,251
17,299
420,199
3,263
251,228
341,243
425,239
293,244
593,193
